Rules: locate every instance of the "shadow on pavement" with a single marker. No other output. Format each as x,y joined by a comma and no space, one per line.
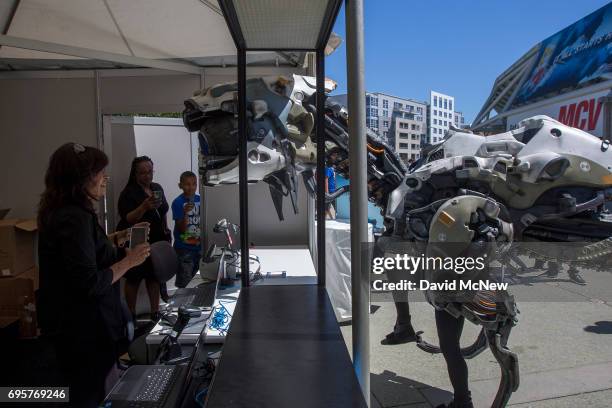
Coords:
391,390
601,327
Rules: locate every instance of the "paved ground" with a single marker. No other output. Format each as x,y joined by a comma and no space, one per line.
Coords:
564,349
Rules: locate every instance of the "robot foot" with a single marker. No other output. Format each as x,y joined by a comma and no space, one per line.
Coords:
425,346
479,345
508,362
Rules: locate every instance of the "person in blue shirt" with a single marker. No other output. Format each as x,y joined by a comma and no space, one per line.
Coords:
330,187
186,215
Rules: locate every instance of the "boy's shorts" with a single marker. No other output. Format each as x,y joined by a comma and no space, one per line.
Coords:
190,262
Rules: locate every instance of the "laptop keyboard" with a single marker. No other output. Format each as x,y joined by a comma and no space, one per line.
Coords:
203,295
156,385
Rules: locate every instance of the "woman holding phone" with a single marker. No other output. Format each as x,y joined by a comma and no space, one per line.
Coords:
79,304
142,200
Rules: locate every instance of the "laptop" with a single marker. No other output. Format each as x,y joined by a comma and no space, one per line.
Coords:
202,295
153,386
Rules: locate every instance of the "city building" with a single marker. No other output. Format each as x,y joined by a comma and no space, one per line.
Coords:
406,132
564,77
440,115
459,120
381,108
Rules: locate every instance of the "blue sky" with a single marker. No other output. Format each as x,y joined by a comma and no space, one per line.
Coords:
455,47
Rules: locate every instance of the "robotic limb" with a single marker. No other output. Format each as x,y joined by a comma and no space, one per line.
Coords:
508,362
473,350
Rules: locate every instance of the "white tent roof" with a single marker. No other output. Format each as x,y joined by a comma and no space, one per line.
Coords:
192,32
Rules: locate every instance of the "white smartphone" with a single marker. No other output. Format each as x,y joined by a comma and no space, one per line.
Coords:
138,235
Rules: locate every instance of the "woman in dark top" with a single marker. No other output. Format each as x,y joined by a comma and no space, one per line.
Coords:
79,304
143,200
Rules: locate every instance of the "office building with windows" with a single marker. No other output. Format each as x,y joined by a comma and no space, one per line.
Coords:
459,120
406,132
382,110
440,115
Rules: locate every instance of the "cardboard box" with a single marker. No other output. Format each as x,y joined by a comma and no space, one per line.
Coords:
17,239
12,290
17,299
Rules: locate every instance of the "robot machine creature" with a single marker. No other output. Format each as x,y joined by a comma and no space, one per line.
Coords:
542,181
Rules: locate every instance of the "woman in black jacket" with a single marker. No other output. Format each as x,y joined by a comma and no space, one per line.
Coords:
79,301
142,200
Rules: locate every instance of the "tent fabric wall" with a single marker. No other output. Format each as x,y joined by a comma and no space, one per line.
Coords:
36,117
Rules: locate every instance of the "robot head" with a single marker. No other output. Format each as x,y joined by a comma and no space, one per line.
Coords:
279,127
280,123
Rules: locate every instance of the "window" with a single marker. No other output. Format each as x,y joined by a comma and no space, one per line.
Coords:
385,104
375,123
445,104
445,123
419,109
413,156
435,121
435,100
403,135
385,113
403,145
404,156
386,123
414,146
385,134
434,130
397,105
435,112
450,105
444,114
413,126
462,119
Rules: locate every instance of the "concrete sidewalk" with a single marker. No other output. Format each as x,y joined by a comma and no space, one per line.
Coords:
564,349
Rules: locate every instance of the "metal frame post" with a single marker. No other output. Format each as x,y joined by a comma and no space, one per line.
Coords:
242,169
360,285
320,123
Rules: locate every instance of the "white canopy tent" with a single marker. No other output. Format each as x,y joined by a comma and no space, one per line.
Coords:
178,35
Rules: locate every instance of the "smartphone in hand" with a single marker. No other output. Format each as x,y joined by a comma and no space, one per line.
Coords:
138,235
158,197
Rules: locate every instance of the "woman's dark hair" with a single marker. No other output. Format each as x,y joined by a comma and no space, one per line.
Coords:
135,163
71,167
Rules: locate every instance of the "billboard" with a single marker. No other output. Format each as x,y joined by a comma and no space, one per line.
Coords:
584,112
575,56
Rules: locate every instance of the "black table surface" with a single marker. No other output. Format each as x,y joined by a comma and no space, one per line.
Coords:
284,349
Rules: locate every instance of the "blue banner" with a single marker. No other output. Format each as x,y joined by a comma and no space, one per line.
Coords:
574,57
